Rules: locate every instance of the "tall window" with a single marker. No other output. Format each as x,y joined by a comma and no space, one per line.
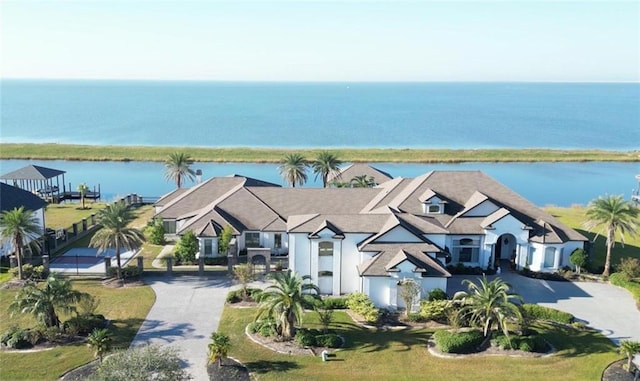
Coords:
530,255
466,249
169,226
549,256
208,247
251,239
277,241
325,248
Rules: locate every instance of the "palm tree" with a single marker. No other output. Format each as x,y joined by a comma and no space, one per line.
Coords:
219,347
363,181
326,164
115,232
83,189
614,216
100,340
293,168
284,300
489,304
629,348
56,293
176,168
20,227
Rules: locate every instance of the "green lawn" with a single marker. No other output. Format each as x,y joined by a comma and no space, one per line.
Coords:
575,217
125,307
58,216
403,356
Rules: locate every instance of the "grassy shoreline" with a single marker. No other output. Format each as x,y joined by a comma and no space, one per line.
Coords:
52,151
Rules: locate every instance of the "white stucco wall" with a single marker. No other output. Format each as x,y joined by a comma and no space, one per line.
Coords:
398,234
485,208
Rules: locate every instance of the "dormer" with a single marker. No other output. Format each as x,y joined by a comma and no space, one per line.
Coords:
432,203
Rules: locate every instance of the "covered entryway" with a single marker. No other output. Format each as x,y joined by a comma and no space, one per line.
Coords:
505,251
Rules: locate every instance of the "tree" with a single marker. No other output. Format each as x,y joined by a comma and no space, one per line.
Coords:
579,259
145,363
362,181
100,340
83,189
115,232
225,238
56,293
489,304
629,348
187,247
325,315
244,274
293,169
284,300
409,293
156,232
325,165
614,216
20,227
176,168
219,347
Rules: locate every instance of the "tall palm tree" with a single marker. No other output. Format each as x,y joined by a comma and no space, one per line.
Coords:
326,164
284,300
219,347
20,227
293,168
83,189
490,304
100,340
56,293
115,232
363,181
176,168
614,216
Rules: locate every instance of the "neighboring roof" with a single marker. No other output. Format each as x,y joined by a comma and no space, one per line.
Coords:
174,194
359,169
32,172
12,197
390,255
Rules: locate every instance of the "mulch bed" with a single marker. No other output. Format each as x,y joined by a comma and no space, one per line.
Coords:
615,372
231,370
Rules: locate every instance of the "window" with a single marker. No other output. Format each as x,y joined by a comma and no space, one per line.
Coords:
466,250
325,273
277,241
251,239
532,250
325,249
208,247
549,256
169,226
432,208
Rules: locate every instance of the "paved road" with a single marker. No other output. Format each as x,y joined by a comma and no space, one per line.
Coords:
607,308
187,309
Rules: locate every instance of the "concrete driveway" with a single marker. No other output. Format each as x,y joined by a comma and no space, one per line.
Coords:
607,308
187,309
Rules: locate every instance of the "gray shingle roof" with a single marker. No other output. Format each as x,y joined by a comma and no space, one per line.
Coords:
32,172
360,169
12,197
389,255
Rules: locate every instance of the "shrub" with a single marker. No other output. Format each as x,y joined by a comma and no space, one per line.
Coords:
265,328
434,310
305,338
335,303
127,272
187,248
416,318
155,231
235,296
16,338
526,345
362,305
437,294
542,275
84,325
330,340
458,342
545,313
30,272
579,259
629,268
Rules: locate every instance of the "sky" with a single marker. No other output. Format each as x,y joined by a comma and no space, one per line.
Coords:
321,40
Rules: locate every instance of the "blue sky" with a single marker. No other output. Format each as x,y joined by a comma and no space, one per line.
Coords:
322,41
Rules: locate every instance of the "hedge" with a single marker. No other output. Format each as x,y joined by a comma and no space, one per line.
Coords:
545,313
127,271
531,343
335,303
434,310
458,342
618,279
235,296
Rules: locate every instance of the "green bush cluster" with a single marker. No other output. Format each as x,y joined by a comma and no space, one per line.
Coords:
619,280
264,327
362,305
313,338
416,318
329,340
532,343
127,272
235,296
434,310
557,277
629,268
30,272
155,232
84,324
537,312
186,249
458,342
335,303
437,294
19,338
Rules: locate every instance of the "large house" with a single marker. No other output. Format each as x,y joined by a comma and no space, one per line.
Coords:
371,239
12,197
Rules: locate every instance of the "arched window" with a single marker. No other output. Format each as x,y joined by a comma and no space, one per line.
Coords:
325,249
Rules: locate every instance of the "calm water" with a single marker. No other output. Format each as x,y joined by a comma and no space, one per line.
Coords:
435,115
561,184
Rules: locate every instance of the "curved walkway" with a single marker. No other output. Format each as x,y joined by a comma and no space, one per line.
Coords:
607,308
